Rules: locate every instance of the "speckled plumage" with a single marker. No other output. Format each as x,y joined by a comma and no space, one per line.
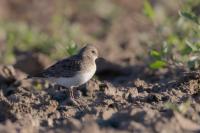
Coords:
72,71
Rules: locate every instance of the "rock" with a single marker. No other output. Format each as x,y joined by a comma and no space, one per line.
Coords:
154,98
52,106
74,124
88,117
90,126
6,108
106,114
131,94
108,89
7,74
140,83
91,87
187,124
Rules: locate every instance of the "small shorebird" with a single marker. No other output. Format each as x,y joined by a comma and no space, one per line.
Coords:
73,71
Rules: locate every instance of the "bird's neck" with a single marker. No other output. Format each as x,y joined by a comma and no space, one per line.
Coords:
87,57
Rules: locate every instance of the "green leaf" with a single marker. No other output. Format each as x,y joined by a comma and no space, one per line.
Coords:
165,47
155,54
158,64
190,16
173,39
38,86
171,106
191,45
184,107
193,64
72,48
148,10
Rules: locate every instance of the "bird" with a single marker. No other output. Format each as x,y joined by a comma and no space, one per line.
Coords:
72,72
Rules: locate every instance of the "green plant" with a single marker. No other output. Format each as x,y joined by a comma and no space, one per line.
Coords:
21,37
72,48
182,108
181,44
148,10
158,62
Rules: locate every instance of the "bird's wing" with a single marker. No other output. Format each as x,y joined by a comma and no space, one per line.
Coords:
64,68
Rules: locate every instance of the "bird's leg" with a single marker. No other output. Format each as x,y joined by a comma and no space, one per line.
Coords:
72,98
71,93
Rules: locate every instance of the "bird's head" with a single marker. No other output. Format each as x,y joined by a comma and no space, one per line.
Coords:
89,51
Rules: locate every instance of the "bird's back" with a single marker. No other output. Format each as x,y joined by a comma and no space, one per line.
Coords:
64,68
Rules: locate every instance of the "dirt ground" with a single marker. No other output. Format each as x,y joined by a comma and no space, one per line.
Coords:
124,96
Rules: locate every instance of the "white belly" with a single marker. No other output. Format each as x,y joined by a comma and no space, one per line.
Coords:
75,81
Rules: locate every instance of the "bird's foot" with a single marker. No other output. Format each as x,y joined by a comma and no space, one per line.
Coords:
76,103
73,102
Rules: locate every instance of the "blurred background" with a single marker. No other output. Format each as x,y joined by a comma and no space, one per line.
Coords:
144,81
156,33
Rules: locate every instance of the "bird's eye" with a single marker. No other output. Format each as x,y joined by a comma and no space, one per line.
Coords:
93,51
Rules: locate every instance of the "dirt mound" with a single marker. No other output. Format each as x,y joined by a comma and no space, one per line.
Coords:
125,96
38,106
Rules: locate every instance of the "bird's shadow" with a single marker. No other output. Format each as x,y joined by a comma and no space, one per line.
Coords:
126,76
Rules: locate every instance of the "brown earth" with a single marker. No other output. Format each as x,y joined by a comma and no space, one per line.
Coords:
125,95
140,106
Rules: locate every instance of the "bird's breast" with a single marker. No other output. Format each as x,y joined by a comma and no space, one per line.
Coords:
77,80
